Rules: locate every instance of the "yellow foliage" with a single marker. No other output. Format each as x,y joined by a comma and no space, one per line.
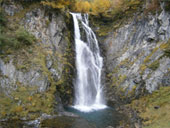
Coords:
18,109
95,7
117,3
82,6
100,6
30,98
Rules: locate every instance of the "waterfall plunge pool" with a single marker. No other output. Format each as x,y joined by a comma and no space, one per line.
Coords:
104,118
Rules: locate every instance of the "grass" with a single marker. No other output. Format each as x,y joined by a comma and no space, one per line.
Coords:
26,102
154,108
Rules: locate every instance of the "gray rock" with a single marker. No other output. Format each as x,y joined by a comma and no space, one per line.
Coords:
109,127
131,49
51,32
11,8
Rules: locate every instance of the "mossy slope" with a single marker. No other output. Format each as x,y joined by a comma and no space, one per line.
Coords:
154,108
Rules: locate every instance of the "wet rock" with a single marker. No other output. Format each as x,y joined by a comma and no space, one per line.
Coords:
68,114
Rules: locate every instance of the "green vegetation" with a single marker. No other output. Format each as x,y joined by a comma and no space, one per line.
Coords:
147,59
154,65
154,108
26,102
166,49
117,15
13,37
16,41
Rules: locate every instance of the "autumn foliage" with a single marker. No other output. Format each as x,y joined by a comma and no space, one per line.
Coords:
94,7
104,7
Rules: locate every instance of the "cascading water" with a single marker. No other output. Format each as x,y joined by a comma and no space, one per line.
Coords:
88,89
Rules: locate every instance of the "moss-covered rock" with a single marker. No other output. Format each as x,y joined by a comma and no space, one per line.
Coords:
36,79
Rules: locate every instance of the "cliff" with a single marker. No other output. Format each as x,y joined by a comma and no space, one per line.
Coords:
136,53
36,78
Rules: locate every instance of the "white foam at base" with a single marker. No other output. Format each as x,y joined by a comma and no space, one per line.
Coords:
94,107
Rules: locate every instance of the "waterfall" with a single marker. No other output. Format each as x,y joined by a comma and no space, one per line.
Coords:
88,89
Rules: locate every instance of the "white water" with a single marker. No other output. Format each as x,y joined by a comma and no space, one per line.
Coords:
88,89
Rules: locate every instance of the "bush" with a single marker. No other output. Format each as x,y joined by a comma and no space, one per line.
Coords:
3,40
15,41
24,37
3,19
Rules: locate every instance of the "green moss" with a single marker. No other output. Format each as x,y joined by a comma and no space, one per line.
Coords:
167,52
147,59
166,48
154,65
114,78
117,80
131,93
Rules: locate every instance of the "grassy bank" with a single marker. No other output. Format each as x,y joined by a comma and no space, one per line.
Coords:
154,108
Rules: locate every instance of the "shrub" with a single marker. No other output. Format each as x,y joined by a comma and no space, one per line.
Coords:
82,6
24,37
19,39
2,19
3,40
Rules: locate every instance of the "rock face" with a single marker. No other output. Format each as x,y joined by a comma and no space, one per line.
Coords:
136,56
46,67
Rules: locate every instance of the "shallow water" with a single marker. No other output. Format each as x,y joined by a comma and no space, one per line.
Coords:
96,119
101,118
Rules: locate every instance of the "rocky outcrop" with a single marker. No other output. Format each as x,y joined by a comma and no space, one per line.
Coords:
136,56
43,71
